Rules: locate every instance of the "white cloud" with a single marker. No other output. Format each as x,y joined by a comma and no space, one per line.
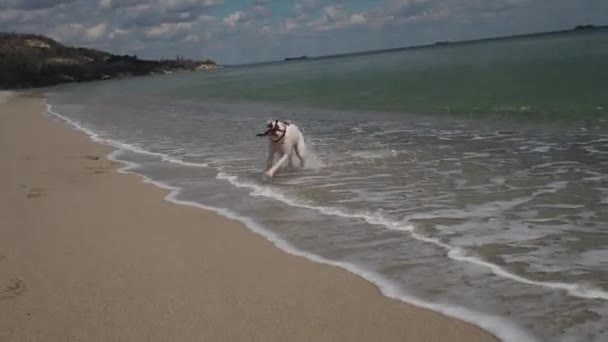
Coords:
138,9
290,24
118,33
261,12
97,31
358,19
186,4
166,30
333,12
69,32
315,26
192,38
235,18
9,14
303,8
105,4
265,29
204,18
32,4
332,17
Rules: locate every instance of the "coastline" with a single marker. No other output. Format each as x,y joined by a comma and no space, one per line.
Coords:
129,265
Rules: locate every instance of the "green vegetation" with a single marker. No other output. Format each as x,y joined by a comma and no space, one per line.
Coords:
30,60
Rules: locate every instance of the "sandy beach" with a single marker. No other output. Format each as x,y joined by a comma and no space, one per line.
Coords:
90,254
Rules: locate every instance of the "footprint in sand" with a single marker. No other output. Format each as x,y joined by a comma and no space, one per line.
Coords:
99,169
87,157
11,288
34,192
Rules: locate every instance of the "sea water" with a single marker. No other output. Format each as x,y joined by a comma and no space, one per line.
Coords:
471,179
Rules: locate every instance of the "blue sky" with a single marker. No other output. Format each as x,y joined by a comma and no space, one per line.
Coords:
244,31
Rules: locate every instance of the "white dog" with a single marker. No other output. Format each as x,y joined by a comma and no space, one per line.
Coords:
286,139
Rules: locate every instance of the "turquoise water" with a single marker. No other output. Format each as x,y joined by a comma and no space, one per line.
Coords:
481,214
562,75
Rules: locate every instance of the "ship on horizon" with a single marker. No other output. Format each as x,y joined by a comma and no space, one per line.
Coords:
296,58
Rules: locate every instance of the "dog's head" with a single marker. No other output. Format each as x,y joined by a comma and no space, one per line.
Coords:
275,128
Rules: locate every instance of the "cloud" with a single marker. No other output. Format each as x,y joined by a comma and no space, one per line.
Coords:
97,31
146,14
185,5
337,17
235,18
265,29
80,33
331,17
302,9
261,12
414,7
9,15
290,24
234,31
118,34
167,30
358,19
105,4
32,4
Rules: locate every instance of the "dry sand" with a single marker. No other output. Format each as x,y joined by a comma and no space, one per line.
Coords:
88,254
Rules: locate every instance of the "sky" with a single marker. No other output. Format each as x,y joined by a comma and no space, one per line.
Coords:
248,31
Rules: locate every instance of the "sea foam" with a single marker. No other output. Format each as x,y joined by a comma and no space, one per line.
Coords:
453,252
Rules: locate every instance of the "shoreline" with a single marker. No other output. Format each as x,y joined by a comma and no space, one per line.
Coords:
311,304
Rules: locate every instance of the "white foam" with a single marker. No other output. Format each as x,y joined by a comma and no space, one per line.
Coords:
472,155
453,252
542,149
552,164
594,150
373,154
312,161
595,141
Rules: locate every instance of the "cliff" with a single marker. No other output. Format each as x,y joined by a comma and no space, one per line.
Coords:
29,60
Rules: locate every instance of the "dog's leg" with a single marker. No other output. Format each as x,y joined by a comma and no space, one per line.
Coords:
291,156
278,164
270,159
300,149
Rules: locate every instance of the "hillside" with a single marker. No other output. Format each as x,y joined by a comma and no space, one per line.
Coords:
29,60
